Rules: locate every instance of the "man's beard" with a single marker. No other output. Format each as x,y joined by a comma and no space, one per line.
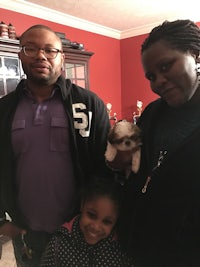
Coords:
40,80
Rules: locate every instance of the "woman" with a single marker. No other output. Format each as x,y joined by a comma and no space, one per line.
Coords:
165,195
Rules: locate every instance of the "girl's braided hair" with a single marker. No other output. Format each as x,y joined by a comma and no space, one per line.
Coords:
182,35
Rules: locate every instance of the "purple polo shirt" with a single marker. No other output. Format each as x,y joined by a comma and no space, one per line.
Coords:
44,167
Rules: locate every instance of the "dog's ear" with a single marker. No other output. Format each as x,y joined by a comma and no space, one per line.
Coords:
112,134
136,160
136,129
111,152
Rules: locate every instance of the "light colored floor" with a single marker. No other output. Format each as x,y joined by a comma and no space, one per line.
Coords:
7,258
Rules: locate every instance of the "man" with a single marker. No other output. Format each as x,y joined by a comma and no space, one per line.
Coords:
52,137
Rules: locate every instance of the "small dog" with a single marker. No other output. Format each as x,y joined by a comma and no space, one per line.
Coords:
123,150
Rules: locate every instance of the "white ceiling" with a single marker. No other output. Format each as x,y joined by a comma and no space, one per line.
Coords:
114,18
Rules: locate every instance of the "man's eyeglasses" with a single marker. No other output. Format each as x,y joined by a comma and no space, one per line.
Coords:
32,51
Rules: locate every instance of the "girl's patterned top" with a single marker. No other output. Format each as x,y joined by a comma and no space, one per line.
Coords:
69,248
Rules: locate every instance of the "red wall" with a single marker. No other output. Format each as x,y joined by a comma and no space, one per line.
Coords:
116,73
134,85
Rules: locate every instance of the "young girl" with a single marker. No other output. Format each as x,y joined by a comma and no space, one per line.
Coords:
90,238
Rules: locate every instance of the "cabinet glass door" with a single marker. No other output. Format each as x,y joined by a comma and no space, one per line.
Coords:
10,73
76,72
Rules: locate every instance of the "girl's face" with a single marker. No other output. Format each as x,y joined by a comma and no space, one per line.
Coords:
98,218
172,73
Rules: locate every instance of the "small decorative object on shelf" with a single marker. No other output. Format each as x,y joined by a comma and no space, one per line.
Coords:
3,30
137,114
11,31
109,106
7,31
111,117
68,43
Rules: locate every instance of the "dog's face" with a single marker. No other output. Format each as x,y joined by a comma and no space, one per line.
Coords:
125,136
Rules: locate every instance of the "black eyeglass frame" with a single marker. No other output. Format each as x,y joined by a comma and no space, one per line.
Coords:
55,50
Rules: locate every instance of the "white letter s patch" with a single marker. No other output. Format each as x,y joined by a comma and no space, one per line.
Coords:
82,120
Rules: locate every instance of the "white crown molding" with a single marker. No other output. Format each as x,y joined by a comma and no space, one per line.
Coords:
138,31
38,11
24,7
27,8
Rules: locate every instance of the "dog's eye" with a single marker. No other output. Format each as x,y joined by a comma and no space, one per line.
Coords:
118,141
134,137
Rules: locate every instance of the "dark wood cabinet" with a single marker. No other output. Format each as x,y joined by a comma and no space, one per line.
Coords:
76,66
